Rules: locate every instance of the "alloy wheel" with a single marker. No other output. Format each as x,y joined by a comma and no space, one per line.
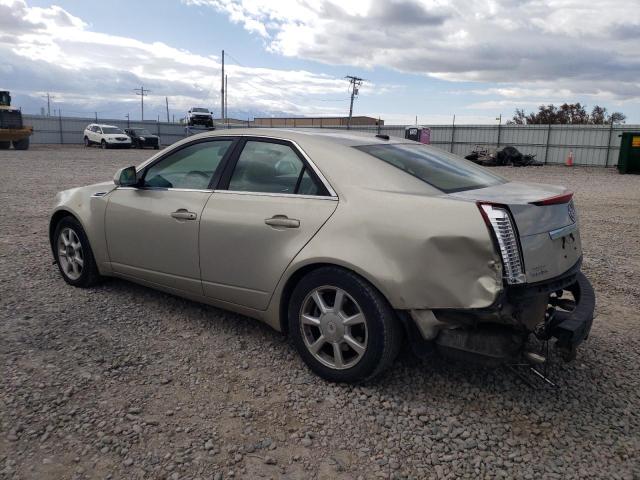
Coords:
70,254
334,328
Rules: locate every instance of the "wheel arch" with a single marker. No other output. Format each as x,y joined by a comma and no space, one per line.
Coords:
57,216
303,270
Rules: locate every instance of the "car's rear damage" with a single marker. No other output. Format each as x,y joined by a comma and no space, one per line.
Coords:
544,293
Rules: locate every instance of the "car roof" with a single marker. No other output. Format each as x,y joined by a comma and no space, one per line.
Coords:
348,138
330,150
102,125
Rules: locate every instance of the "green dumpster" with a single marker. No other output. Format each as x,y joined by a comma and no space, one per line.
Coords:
629,158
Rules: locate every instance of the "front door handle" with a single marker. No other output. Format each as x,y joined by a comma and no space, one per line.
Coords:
282,221
184,214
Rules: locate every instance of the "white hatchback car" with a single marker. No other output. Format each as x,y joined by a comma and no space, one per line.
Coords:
107,136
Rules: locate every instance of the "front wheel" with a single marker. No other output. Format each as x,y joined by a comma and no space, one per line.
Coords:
73,254
342,327
5,145
103,144
87,143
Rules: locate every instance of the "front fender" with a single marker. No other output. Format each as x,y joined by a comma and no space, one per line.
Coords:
88,206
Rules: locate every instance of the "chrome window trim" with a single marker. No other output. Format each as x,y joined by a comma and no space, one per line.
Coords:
314,167
275,194
160,189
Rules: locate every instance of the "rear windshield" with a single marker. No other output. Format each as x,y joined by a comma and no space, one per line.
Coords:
444,171
111,130
200,110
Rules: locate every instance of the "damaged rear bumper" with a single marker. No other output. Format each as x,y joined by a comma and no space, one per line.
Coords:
572,328
483,336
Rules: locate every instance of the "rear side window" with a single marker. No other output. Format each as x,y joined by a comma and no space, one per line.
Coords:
190,167
267,167
444,171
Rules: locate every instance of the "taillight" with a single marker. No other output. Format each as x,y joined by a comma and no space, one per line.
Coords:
564,198
498,220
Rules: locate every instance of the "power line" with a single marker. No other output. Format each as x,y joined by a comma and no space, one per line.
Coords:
355,84
143,93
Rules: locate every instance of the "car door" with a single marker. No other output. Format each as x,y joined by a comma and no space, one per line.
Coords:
93,134
152,229
270,202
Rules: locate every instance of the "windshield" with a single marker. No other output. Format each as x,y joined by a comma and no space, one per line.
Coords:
111,130
141,131
200,110
443,170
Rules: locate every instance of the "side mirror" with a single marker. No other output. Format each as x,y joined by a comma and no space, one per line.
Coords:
126,177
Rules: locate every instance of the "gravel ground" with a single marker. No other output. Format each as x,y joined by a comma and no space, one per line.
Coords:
124,382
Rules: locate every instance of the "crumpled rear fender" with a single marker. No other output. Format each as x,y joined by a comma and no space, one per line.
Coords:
421,252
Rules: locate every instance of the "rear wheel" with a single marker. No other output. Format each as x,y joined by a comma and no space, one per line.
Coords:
103,144
73,254
87,143
5,145
21,144
342,327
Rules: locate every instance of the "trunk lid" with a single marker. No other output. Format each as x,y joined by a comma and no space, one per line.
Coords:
546,223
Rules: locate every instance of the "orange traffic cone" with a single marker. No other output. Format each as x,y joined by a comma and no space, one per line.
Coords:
569,161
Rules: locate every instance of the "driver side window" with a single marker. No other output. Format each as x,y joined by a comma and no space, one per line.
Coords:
190,167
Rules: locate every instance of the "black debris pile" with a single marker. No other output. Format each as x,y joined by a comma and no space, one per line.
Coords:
506,156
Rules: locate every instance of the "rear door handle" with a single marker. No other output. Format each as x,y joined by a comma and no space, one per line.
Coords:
282,221
184,214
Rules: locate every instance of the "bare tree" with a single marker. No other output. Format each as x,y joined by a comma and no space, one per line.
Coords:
566,114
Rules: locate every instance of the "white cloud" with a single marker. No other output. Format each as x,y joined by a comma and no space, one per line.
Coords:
50,49
590,47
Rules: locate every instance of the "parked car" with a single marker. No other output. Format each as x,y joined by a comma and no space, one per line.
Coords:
199,116
107,136
365,245
141,138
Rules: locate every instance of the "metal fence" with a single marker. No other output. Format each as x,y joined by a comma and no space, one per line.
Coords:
592,145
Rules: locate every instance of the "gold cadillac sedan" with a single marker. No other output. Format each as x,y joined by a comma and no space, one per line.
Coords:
354,245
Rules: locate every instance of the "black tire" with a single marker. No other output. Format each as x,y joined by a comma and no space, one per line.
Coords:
87,142
21,144
157,147
5,145
384,331
103,145
89,275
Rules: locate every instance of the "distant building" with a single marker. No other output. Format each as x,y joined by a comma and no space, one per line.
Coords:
326,122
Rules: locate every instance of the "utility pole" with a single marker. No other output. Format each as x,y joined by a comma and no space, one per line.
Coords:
166,99
128,121
499,129
355,83
143,93
226,96
222,102
48,97
96,114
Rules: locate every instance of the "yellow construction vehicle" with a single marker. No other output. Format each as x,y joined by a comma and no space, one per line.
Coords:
12,131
